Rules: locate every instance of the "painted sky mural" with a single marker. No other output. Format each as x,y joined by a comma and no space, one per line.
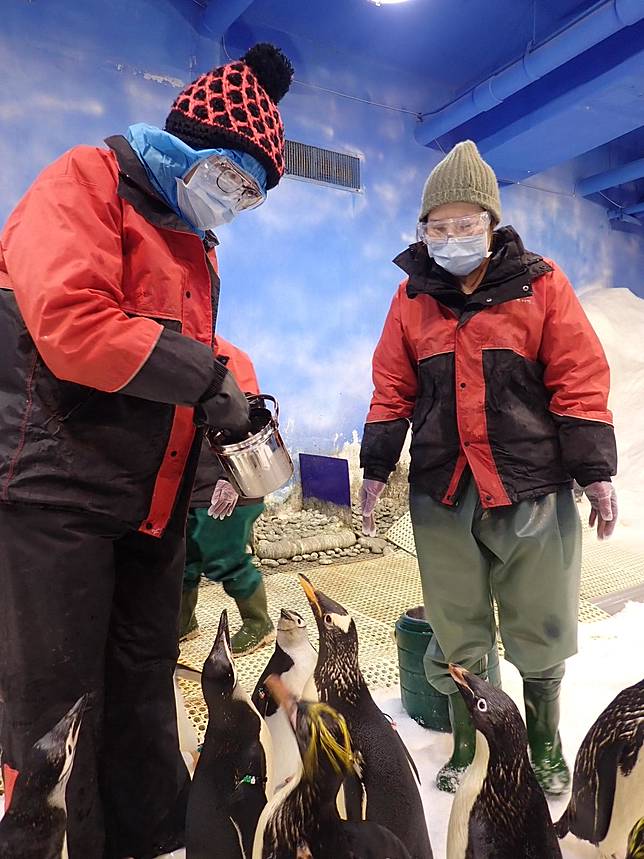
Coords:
307,278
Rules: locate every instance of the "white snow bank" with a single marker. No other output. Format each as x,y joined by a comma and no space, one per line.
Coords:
617,316
609,659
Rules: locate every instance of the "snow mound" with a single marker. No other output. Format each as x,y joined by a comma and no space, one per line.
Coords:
617,316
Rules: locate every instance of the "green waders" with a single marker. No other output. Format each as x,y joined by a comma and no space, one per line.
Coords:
216,548
527,558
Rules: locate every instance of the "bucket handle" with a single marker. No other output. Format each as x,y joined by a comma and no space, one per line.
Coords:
215,438
259,397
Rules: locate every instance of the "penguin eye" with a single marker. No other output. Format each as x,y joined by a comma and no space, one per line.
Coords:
481,705
328,620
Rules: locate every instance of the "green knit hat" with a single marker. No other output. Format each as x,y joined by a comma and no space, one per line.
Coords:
462,177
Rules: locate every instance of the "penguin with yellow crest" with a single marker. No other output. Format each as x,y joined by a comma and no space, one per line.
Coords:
302,820
387,792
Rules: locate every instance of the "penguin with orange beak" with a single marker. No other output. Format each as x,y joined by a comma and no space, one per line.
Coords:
389,778
499,809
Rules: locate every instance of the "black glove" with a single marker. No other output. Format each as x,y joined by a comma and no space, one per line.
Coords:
226,410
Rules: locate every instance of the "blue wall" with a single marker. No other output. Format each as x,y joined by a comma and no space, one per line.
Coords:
307,278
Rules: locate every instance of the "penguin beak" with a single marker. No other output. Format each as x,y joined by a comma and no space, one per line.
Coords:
288,621
311,594
220,659
75,715
458,675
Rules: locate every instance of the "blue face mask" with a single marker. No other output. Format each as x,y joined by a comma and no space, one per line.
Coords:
166,158
459,256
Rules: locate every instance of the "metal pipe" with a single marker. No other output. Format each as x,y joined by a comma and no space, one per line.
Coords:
611,178
603,21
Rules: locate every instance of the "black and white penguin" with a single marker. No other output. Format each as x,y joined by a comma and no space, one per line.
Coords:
233,776
390,794
293,661
302,820
608,782
35,824
499,809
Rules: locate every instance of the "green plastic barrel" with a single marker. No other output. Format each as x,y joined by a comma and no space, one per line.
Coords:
420,700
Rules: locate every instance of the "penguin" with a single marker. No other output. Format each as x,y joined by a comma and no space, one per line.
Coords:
233,776
388,793
302,821
499,810
608,780
35,824
293,661
635,848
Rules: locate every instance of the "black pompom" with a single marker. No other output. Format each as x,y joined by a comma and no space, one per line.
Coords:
272,69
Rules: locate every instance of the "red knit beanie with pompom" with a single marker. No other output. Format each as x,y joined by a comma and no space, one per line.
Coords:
235,107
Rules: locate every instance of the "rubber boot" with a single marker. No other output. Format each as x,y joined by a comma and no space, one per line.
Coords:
464,736
188,626
542,719
257,628
463,731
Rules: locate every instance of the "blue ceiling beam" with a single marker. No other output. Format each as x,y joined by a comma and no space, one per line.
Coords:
220,14
602,22
634,210
611,178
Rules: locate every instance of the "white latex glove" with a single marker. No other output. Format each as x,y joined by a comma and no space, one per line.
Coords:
224,500
369,493
603,501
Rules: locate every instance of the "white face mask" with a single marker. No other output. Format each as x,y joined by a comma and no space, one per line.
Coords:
203,211
216,192
459,256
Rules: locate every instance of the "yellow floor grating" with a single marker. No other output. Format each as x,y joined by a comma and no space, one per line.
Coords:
376,592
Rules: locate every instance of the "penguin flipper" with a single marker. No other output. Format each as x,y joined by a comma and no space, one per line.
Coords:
279,663
591,807
410,760
354,796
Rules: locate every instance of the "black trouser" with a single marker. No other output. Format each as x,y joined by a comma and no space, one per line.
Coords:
87,605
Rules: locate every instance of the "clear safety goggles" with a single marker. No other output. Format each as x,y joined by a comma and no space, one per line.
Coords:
458,228
218,176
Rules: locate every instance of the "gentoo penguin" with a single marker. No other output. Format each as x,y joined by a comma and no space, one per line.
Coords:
233,776
499,810
389,781
635,849
302,820
293,661
35,824
608,781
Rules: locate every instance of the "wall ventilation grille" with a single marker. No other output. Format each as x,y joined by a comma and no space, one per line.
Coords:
322,165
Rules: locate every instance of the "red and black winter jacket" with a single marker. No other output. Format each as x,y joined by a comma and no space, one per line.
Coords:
509,383
107,310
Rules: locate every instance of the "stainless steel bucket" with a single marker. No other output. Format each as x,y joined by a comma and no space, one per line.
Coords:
260,464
